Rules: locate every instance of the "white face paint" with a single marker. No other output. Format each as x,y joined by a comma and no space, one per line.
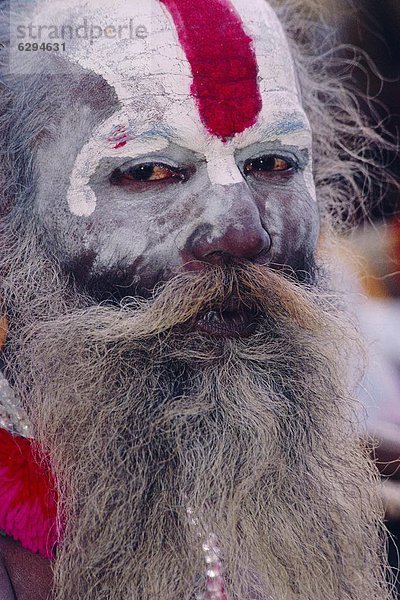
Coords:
154,74
81,198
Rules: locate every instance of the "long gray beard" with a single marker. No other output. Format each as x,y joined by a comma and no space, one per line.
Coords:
254,436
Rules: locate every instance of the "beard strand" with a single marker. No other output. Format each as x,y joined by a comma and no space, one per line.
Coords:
143,421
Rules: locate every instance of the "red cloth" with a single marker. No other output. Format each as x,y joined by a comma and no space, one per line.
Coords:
28,498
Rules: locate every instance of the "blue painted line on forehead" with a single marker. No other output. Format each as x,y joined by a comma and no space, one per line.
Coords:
289,127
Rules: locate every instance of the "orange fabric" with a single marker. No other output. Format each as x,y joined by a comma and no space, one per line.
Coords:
395,233
3,331
373,254
372,284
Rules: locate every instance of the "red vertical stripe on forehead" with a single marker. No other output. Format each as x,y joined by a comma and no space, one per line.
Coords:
223,64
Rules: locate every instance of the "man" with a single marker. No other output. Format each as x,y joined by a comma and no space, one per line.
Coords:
171,335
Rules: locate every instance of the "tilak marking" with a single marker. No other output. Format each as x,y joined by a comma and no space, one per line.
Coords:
223,64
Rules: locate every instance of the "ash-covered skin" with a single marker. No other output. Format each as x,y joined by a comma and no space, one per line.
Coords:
214,208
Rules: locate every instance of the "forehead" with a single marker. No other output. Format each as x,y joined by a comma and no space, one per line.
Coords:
213,66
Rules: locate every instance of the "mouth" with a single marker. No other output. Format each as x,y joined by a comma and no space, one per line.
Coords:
232,319
226,323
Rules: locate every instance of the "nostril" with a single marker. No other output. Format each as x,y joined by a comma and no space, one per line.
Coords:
218,257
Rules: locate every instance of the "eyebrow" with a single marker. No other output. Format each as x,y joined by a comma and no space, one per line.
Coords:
286,126
292,123
156,132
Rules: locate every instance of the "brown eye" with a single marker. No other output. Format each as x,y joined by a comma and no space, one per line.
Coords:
269,164
146,172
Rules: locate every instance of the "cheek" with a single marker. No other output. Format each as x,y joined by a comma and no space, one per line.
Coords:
140,239
136,237
291,218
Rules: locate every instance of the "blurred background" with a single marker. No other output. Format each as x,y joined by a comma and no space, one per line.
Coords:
372,251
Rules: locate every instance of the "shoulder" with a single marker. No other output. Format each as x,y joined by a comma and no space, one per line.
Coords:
6,591
23,575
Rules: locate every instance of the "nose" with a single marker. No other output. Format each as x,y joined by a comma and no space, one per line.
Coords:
235,233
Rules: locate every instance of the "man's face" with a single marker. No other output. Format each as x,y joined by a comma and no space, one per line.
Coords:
206,156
